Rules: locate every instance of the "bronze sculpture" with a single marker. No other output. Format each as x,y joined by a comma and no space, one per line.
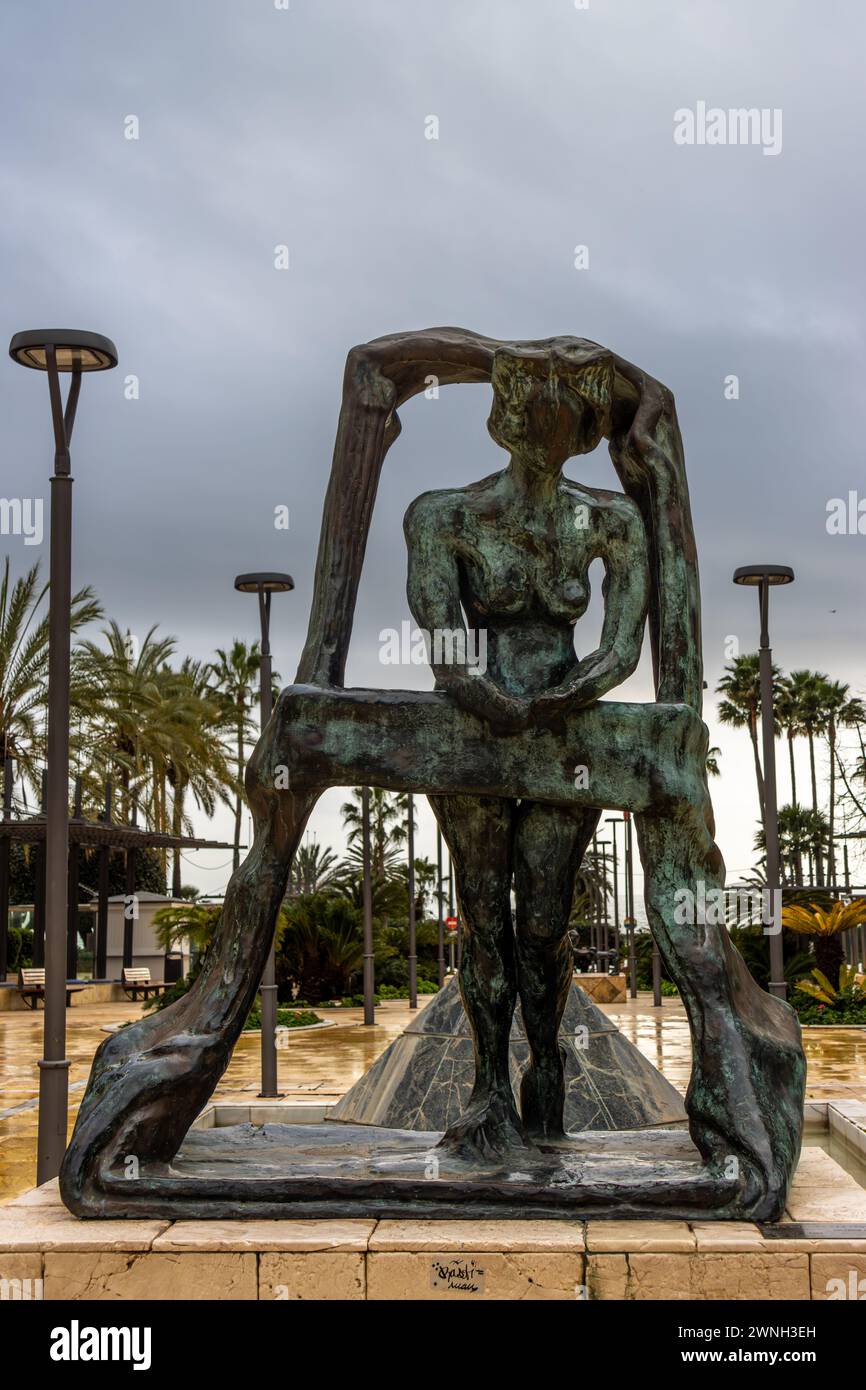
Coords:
496,752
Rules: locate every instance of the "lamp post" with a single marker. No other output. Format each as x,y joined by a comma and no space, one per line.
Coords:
593,905
440,932
264,584
630,921
603,939
613,822
369,959
413,948
54,351
763,578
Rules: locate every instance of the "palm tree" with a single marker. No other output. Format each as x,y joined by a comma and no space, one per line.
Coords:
425,879
713,755
321,948
314,869
592,883
841,710
789,704
236,676
741,686
24,667
388,812
195,922
802,832
812,688
196,762
389,894
131,723
812,691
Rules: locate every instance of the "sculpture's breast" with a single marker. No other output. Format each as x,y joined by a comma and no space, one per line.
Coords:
509,580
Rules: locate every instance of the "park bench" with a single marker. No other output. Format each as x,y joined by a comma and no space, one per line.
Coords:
136,981
31,986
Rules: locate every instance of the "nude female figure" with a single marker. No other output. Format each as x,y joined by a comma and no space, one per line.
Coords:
512,553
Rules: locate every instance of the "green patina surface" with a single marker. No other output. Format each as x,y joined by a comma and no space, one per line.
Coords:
498,751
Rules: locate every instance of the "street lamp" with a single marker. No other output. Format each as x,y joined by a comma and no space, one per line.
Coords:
440,926
763,578
629,921
264,584
603,942
413,937
55,350
369,961
613,822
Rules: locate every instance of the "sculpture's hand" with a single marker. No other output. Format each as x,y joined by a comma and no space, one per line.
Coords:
554,704
506,714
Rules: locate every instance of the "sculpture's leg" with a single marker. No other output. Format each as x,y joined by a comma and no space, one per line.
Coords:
149,1081
479,833
549,844
745,1098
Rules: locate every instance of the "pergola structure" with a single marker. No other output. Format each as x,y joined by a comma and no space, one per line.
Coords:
104,835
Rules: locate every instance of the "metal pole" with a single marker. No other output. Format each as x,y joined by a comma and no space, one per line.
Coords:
72,898
613,822
268,984
605,936
369,967
39,886
629,905
440,945
54,1064
5,847
130,906
413,950
100,966
771,829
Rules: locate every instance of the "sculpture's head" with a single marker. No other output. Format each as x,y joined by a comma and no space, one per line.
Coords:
551,400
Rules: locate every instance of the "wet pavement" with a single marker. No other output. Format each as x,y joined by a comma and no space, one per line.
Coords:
325,1063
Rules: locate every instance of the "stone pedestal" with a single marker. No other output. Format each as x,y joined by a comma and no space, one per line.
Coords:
817,1252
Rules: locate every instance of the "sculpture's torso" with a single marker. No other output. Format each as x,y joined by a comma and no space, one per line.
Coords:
524,571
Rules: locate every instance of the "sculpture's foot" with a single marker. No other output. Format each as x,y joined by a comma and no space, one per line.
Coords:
542,1100
490,1128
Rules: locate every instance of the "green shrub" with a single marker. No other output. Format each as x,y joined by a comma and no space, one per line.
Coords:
809,1011
286,1018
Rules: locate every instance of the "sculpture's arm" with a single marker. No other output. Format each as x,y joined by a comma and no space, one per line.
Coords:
626,598
646,449
433,591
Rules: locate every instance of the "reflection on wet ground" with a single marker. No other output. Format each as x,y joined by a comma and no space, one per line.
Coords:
325,1063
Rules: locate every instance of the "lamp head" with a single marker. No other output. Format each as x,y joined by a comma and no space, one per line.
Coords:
757,574
264,582
74,350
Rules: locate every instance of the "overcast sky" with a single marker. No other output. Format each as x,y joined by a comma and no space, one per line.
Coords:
260,127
